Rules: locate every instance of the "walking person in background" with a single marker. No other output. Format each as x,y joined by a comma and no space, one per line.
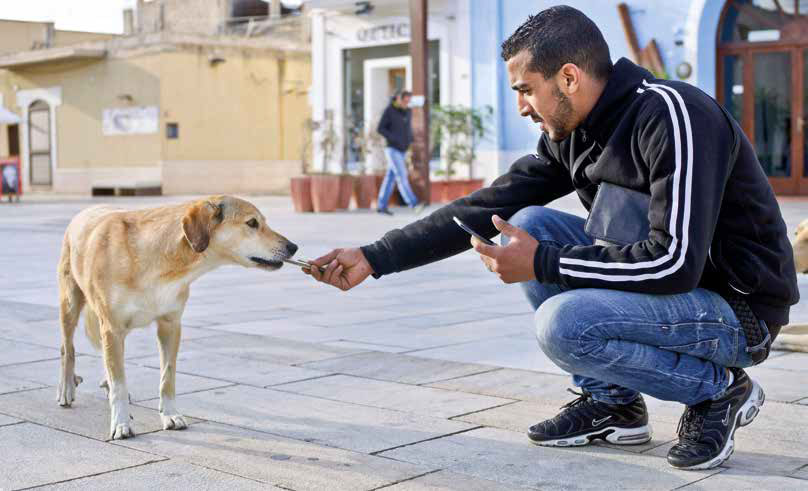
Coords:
396,130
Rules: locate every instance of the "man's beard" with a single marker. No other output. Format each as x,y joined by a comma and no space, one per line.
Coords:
561,122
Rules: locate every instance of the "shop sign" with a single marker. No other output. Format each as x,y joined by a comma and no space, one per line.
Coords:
386,32
130,120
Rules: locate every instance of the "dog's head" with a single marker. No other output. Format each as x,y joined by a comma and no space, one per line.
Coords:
800,245
234,230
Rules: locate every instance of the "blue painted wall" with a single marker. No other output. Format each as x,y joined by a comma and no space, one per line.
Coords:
666,21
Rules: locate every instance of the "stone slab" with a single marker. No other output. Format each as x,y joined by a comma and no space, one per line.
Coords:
168,475
438,403
450,481
10,383
777,384
8,420
735,479
88,416
507,457
14,352
509,383
338,424
274,459
32,455
264,348
801,474
520,351
789,361
142,382
236,370
397,368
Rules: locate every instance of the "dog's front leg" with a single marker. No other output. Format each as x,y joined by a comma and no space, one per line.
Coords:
168,334
112,344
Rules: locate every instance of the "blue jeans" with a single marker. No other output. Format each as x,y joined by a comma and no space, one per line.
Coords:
396,174
618,344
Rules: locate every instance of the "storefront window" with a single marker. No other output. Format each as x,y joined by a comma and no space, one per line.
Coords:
354,88
757,21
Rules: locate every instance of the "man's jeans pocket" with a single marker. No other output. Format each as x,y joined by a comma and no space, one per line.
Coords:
705,349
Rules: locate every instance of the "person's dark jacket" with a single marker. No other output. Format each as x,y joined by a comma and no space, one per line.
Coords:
714,223
395,127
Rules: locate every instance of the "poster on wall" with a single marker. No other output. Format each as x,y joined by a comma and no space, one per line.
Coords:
130,120
10,179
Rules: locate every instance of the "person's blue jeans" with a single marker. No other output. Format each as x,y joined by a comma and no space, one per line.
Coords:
396,174
617,344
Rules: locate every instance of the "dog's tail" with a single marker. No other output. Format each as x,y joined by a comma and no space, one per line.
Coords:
92,327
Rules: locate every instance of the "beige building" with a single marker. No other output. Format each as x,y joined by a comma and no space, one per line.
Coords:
194,98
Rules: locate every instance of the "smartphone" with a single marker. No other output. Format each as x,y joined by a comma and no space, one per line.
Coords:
302,264
468,229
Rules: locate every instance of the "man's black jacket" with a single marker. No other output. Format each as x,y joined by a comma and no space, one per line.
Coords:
395,127
714,220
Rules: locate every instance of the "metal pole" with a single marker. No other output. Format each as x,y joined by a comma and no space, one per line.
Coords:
420,85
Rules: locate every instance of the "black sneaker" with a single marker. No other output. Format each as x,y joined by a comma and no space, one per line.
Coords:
707,430
586,419
384,211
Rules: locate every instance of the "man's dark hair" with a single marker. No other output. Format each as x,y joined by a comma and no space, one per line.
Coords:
557,36
402,93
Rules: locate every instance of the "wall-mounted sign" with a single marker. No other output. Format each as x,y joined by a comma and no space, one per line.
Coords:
130,120
387,32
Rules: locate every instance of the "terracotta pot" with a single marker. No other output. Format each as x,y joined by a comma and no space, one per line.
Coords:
346,187
300,188
437,191
324,193
455,190
365,191
472,185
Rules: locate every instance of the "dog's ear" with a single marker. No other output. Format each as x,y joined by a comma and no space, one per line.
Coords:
198,223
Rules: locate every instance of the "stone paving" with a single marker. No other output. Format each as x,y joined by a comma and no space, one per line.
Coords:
422,380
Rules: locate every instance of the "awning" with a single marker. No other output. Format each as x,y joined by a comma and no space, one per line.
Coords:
8,117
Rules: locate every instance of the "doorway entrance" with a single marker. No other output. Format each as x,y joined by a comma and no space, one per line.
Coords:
763,82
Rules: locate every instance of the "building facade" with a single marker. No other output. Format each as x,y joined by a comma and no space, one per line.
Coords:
214,106
749,54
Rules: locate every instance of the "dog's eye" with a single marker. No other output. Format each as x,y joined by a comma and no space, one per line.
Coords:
252,223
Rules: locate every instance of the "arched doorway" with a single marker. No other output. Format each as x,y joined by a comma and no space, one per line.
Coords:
763,81
39,137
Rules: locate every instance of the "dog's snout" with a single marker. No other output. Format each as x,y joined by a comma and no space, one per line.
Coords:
291,247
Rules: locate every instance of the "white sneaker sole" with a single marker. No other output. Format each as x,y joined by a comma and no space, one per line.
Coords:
746,415
612,434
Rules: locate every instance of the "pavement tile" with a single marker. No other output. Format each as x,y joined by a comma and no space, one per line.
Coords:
8,420
263,348
777,385
274,459
169,474
143,382
231,369
741,480
510,383
789,361
87,416
338,424
520,351
397,368
507,457
449,481
32,455
10,383
438,403
15,353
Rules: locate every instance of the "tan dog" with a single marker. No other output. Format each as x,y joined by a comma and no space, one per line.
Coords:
800,245
131,268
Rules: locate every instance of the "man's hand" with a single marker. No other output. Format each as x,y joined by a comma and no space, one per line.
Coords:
344,268
513,263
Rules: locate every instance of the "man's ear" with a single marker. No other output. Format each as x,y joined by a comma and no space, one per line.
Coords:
569,78
198,223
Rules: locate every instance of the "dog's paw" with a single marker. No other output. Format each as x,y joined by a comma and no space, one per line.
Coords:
66,393
120,432
173,421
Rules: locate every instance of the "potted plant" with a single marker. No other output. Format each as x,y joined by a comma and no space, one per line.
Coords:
458,129
367,145
325,187
300,186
